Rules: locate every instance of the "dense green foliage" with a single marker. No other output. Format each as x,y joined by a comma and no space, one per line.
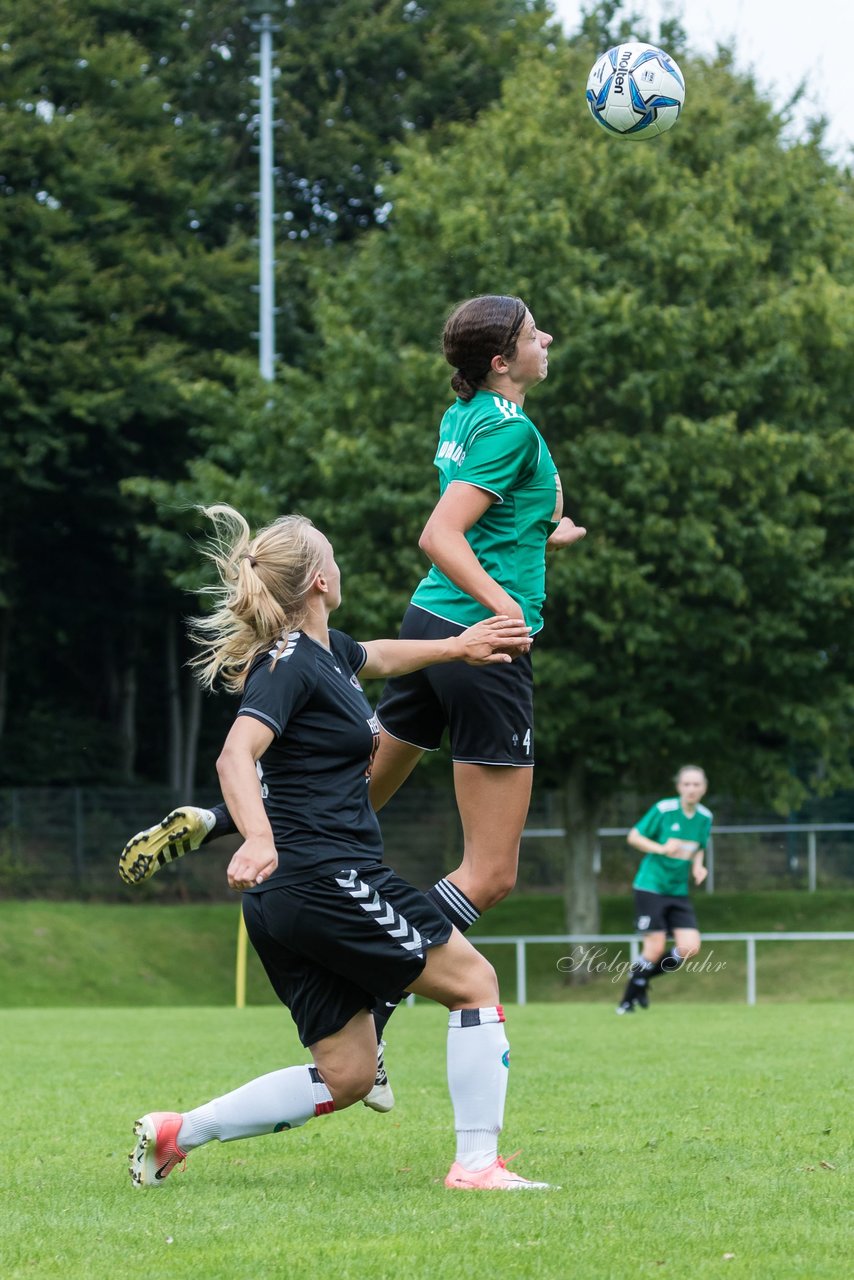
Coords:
700,288
702,294
126,215
703,302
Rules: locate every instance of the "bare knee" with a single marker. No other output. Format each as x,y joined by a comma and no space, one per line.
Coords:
458,977
653,949
477,986
688,950
348,1082
495,889
487,875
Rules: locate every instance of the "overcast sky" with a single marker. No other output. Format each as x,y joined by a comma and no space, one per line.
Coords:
780,41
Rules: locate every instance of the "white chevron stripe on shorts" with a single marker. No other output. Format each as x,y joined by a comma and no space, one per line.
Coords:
383,912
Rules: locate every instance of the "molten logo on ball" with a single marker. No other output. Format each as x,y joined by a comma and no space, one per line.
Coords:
635,91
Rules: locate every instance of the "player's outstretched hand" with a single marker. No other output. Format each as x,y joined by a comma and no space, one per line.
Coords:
253,863
700,874
497,639
566,533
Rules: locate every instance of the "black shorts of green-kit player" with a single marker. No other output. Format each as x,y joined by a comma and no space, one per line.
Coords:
655,913
488,711
662,913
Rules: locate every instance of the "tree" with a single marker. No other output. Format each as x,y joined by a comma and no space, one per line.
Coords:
702,290
126,208
113,309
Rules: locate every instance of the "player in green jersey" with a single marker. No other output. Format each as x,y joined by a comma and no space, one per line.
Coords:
672,835
500,505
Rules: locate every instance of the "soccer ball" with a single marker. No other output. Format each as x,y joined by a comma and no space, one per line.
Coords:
635,91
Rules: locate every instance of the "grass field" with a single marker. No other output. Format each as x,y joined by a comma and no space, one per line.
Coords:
692,1141
81,954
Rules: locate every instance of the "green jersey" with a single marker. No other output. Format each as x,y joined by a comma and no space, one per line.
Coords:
659,873
491,442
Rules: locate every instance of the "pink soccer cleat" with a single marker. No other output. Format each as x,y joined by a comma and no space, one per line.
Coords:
495,1177
156,1152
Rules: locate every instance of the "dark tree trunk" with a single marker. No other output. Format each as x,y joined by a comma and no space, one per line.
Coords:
175,711
127,719
193,721
5,652
580,886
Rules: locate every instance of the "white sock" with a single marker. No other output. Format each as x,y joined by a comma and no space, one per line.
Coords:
478,1061
281,1100
209,819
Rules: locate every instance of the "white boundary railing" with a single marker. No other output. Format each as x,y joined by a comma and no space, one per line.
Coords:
522,941
574,939
811,829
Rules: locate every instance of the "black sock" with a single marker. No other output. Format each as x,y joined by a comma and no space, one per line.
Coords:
640,973
454,904
224,825
382,1011
460,910
668,963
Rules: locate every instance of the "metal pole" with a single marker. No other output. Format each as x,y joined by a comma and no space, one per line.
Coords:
811,861
751,970
521,976
267,261
710,866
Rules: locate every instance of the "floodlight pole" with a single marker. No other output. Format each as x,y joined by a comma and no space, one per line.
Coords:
266,169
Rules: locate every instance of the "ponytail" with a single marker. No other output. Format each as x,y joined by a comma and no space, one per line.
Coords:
262,593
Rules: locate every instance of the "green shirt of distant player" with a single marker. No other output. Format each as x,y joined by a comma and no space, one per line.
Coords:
659,873
491,442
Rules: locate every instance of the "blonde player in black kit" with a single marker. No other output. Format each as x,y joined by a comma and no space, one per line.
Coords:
333,927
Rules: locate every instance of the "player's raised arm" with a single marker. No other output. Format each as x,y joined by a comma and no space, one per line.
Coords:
494,640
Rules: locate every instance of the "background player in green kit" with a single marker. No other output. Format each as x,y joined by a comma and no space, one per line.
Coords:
673,835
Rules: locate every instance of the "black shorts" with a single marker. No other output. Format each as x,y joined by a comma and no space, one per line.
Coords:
331,946
662,913
489,711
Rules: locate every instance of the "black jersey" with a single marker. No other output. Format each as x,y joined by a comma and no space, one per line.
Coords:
315,773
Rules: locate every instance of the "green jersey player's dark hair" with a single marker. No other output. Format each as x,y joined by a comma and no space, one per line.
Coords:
475,332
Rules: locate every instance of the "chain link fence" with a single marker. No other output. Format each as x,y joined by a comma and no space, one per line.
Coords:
65,842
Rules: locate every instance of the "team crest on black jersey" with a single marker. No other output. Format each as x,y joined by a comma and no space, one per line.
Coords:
354,680
374,726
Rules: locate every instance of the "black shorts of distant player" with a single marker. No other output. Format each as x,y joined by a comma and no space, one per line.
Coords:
661,913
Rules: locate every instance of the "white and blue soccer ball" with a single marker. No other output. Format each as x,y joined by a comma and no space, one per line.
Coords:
635,91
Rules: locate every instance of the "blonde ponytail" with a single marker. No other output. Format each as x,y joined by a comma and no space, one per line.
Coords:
261,595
